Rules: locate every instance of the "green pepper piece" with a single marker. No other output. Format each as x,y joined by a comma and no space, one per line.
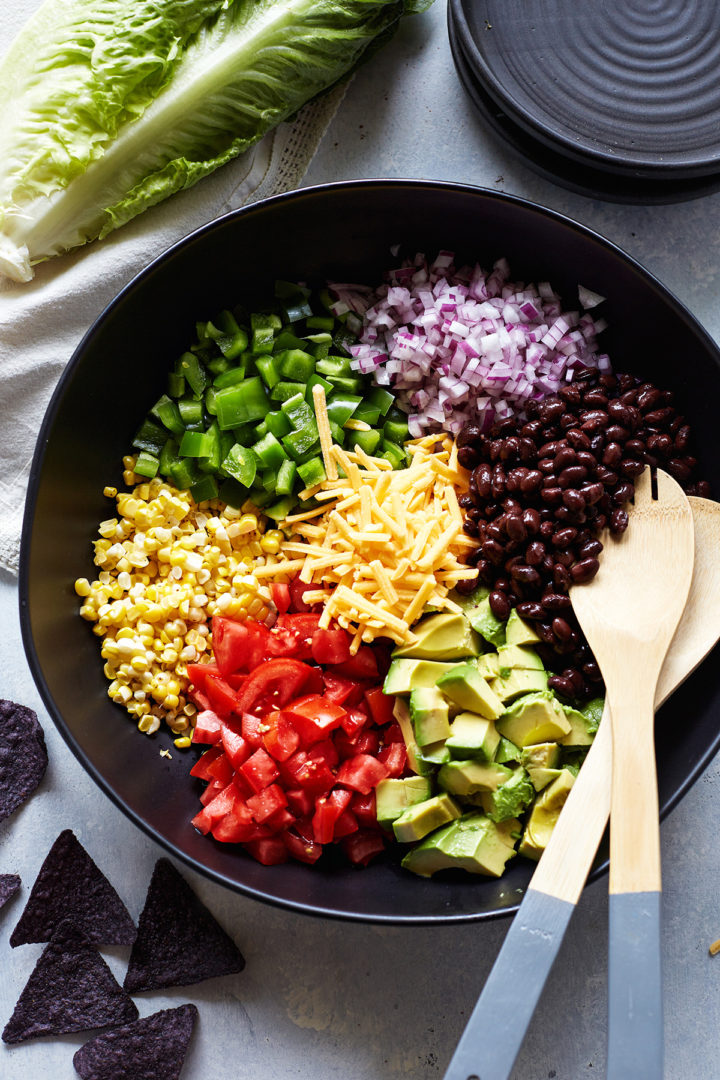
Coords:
261,430
287,340
176,384
316,380
394,454
341,407
268,369
204,489
321,322
195,444
278,423
242,403
335,365
231,377
191,411
231,339
185,473
345,385
366,440
338,433
262,339
217,365
285,480
295,365
367,412
166,411
381,399
210,406
269,452
297,310
312,472
194,371
299,413
284,390
281,508
267,479
147,464
260,497
245,435
150,437
241,464
232,493
396,431
168,457
217,442
301,443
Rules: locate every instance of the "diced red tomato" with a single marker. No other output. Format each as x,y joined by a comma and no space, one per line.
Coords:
363,665
341,690
259,770
208,727
238,646
214,788
347,823
363,807
237,749
237,826
300,801
282,740
354,721
276,682
381,705
280,596
331,646
222,803
280,820
301,848
269,851
327,810
223,699
362,846
202,822
202,764
368,742
266,802
313,717
362,773
221,769
252,728
395,757
298,589
392,734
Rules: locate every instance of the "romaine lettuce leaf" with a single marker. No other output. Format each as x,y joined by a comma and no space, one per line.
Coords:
109,106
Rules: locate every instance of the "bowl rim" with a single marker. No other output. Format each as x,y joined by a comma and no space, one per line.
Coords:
51,414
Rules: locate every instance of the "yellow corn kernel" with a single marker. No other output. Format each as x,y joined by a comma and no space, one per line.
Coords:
270,546
183,742
83,587
109,492
248,523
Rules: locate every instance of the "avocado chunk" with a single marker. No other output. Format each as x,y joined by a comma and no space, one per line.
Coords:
467,777
481,618
473,842
536,718
541,777
510,799
405,674
418,820
433,754
445,636
393,797
507,751
417,763
489,665
519,681
519,632
582,730
544,815
518,656
429,713
472,736
541,755
466,687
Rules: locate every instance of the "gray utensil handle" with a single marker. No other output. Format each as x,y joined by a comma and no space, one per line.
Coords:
635,1014
496,1028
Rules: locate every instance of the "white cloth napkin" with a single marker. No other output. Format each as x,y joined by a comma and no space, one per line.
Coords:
42,322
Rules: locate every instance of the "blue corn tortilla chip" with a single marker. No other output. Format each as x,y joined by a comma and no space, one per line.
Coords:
152,1048
23,756
71,886
178,941
71,988
9,885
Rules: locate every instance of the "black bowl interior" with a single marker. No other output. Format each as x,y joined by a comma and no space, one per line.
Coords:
345,232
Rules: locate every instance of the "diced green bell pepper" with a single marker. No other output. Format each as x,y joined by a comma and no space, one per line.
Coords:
341,407
268,369
312,472
191,411
285,480
166,411
366,440
282,391
204,489
278,423
295,365
269,452
147,464
194,373
242,403
150,437
241,465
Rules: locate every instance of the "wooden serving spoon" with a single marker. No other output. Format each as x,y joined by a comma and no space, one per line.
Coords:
497,1027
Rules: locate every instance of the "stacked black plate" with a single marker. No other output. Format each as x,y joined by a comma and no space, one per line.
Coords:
617,99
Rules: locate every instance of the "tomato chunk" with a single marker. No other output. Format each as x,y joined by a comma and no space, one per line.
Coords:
259,770
314,717
362,846
276,682
331,646
208,727
281,596
267,802
381,705
238,646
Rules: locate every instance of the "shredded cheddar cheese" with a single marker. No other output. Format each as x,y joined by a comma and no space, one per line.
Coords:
382,545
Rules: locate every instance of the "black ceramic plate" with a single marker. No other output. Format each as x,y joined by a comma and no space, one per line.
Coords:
629,86
343,231
553,164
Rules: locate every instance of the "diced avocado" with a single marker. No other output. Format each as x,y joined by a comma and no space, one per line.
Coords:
544,815
445,636
582,730
472,842
418,820
393,797
481,618
467,777
429,715
472,736
405,675
489,665
536,718
507,751
541,755
518,631
435,753
417,763
518,656
510,799
541,777
519,681
466,687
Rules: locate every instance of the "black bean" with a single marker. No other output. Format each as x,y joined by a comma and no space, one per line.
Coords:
584,571
618,521
499,604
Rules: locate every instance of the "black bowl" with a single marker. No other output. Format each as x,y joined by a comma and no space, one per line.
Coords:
341,231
